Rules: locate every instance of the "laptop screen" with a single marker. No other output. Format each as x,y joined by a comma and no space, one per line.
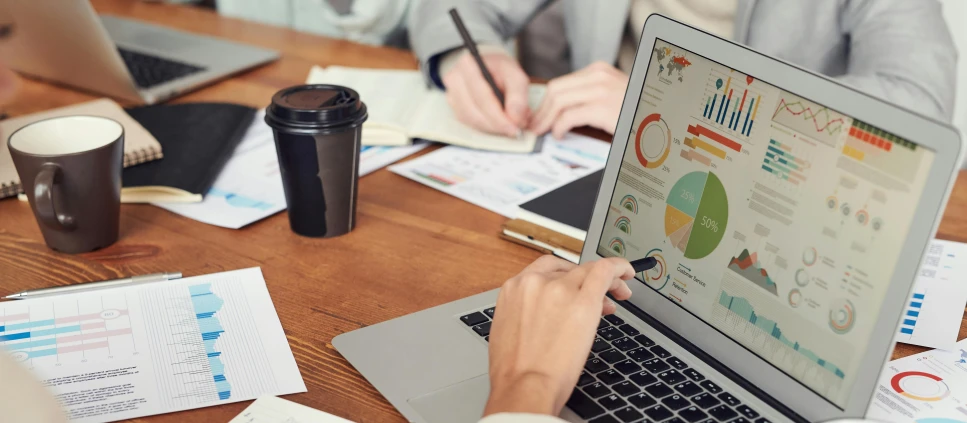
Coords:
774,219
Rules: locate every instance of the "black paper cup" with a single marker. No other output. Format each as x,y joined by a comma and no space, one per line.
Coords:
318,129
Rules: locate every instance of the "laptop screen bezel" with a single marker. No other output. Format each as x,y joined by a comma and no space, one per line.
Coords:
931,134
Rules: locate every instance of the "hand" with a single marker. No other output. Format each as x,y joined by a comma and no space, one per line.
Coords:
474,102
591,96
543,330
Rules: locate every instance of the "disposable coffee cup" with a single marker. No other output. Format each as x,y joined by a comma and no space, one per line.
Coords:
318,129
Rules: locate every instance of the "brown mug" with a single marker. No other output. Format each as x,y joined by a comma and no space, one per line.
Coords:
70,169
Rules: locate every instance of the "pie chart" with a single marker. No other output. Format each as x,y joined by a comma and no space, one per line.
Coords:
920,386
652,141
696,214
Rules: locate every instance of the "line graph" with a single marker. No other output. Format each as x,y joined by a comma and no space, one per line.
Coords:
809,118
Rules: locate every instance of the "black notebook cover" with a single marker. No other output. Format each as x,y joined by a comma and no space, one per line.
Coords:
197,140
571,204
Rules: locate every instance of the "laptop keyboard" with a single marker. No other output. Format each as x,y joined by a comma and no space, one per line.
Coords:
628,378
149,71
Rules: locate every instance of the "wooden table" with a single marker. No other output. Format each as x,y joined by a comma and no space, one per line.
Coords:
411,249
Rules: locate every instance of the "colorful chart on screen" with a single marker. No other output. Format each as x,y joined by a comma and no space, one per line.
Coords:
652,141
696,214
656,277
920,386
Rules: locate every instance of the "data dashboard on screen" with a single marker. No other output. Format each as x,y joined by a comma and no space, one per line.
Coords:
774,219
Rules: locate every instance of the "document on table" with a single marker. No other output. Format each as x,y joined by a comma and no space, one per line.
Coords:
277,410
934,311
133,351
930,387
499,182
249,188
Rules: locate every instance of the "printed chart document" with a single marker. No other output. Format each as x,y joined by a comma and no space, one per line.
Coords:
249,188
277,410
930,387
499,182
936,307
127,352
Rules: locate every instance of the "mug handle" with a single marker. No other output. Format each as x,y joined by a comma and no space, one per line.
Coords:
43,195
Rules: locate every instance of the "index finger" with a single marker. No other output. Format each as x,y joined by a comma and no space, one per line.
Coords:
608,275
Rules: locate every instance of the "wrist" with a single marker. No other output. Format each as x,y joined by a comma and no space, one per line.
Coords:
528,393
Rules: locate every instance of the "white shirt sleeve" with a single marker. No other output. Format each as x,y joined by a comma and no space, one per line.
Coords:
520,418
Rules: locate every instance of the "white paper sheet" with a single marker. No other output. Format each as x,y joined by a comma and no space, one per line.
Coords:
278,410
930,387
934,312
133,351
499,182
249,188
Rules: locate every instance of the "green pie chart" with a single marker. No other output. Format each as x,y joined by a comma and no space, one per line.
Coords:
696,214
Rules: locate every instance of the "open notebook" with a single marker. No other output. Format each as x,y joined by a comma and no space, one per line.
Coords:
401,107
139,145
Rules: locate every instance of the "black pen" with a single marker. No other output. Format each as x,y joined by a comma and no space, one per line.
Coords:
644,264
472,47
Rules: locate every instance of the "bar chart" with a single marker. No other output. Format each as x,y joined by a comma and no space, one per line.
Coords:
781,162
206,304
730,103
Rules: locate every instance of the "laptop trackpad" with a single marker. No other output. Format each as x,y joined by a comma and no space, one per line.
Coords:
459,403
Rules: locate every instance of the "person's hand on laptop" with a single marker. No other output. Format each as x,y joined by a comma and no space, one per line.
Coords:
473,101
591,96
545,323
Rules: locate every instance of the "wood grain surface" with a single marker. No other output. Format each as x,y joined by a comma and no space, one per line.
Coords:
414,247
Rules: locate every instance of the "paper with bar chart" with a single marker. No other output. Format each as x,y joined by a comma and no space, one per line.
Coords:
933,314
779,217
127,352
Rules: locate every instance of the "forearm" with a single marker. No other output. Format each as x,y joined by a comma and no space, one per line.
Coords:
530,393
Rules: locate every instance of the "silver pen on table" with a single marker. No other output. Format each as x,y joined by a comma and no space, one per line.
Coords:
154,277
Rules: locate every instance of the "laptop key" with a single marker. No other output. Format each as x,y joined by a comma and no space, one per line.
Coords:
659,390
596,390
687,388
674,420
599,345
692,414
640,354
710,386
610,377
705,400
490,311
722,413
483,329
628,415
643,378
487,338
607,418
693,374
627,367
642,400
615,320
658,413
626,388
741,420
624,344
729,399
629,330
676,402
612,356
671,377
655,365
762,420
583,406
644,340
676,363
473,319
660,351
595,365
612,402
585,379
747,411
610,333
603,324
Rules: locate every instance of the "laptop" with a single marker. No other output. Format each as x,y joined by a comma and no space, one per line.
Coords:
65,41
788,214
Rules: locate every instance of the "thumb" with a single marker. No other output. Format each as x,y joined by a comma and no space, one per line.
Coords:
515,84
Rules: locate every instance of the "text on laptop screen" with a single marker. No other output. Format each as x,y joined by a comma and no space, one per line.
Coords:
774,219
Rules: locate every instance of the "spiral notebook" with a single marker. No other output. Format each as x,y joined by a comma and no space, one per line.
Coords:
139,145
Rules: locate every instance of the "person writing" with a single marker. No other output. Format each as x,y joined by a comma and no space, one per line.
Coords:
898,50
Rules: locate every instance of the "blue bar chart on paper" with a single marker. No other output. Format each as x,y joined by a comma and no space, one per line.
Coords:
206,304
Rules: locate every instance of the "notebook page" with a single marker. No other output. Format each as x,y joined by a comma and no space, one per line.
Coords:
436,121
391,97
270,409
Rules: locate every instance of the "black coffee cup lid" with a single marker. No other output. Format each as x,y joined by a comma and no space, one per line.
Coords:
318,106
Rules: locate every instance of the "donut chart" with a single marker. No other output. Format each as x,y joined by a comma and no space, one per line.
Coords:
653,140
842,316
921,386
656,277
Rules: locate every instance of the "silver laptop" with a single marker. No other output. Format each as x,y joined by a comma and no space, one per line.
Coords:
788,214
65,41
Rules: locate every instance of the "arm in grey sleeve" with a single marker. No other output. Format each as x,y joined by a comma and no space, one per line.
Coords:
489,22
520,418
902,51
